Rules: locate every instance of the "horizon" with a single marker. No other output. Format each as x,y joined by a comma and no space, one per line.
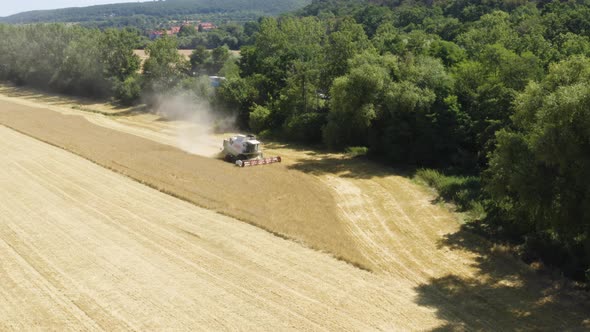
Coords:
30,5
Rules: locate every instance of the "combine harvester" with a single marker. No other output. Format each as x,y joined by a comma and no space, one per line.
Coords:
245,150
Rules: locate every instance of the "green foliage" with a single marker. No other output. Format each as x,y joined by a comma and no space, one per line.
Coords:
356,151
187,30
449,52
203,61
259,118
354,101
230,68
573,44
344,43
540,169
331,8
199,57
305,127
165,67
68,59
463,191
239,94
493,28
81,71
493,86
372,17
117,52
286,68
486,88
219,57
179,9
403,111
129,90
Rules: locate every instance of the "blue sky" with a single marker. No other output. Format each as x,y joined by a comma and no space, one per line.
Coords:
9,7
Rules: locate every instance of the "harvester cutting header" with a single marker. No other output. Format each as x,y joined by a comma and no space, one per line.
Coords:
245,150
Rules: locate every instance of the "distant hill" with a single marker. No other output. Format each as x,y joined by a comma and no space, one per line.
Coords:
158,9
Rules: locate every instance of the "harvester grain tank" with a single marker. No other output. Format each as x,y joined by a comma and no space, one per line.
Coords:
246,150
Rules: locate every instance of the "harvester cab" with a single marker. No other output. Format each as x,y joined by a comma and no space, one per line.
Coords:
245,150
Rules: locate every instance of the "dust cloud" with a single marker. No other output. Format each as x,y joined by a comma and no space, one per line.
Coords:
197,123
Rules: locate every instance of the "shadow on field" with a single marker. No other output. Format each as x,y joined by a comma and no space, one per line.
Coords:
62,100
133,110
29,93
357,168
319,162
505,294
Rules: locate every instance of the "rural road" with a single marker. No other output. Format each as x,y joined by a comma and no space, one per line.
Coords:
426,273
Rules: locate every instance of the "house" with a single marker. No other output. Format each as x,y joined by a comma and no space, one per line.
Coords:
159,33
173,31
206,26
156,34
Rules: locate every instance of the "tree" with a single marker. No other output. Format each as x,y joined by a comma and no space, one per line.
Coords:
120,63
259,118
117,52
493,28
285,65
219,57
348,40
199,57
187,30
355,99
486,91
82,71
402,110
371,17
539,174
164,68
421,121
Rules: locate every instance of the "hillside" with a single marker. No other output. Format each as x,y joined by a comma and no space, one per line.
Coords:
159,9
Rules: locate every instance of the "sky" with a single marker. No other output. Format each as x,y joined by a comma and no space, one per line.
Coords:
9,7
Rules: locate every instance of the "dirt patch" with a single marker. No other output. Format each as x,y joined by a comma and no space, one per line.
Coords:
286,202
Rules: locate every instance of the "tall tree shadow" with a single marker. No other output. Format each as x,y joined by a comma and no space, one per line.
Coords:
504,295
318,161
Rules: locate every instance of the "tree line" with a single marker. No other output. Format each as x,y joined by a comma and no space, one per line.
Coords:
68,59
101,64
494,89
157,9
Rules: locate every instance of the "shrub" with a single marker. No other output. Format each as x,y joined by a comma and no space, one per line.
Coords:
128,91
259,118
357,151
306,127
463,191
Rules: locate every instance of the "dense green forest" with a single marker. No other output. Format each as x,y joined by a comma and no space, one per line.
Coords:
147,14
494,95
228,15
232,35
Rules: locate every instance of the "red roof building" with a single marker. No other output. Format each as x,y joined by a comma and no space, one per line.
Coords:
173,31
206,26
156,34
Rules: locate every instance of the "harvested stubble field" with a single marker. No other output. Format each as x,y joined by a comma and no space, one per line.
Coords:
84,248
276,199
431,273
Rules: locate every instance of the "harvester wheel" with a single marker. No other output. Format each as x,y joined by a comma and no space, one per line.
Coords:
241,157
